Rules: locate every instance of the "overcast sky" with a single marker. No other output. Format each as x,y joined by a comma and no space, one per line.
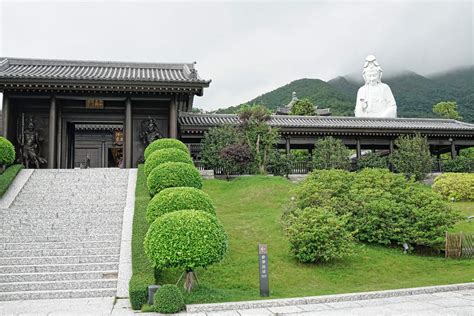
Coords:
246,48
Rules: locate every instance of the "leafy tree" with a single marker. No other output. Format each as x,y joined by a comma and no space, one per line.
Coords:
214,141
303,107
258,134
412,156
372,160
330,153
235,158
447,110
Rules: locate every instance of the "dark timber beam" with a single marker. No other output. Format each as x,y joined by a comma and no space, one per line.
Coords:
52,134
5,114
128,133
173,119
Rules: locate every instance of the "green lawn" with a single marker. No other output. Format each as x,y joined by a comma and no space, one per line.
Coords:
466,209
7,177
250,209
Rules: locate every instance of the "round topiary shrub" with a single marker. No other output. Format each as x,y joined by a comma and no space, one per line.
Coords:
318,235
176,199
173,174
163,143
187,239
168,299
166,155
7,152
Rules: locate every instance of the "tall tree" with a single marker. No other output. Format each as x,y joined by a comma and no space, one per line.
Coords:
259,135
303,107
447,109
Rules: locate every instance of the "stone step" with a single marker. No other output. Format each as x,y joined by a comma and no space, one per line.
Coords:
57,276
59,245
58,285
64,222
23,231
38,295
58,260
107,266
59,238
59,252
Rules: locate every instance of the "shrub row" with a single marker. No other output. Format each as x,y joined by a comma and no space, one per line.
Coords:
184,231
457,186
7,152
382,207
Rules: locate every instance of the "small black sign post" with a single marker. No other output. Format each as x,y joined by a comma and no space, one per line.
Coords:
263,269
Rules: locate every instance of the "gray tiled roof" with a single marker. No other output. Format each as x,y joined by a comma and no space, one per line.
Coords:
290,121
44,69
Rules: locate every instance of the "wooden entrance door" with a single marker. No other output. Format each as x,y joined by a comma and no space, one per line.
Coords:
94,147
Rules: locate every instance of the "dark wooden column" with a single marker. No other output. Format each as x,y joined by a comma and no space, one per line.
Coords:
173,118
391,146
5,114
287,146
52,134
128,133
59,135
358,150
453,149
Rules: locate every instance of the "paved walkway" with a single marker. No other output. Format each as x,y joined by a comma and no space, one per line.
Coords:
442,303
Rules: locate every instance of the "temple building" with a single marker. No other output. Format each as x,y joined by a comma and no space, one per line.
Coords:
69,114
66,114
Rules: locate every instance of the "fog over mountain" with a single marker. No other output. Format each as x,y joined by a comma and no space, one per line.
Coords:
246,48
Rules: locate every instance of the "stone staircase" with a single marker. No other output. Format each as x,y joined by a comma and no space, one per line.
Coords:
61,236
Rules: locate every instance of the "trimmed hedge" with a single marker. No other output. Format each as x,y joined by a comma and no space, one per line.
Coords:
138,290
186,239
458,186
176,199
173,174
160,156
7,152
384,207
168,299
163,143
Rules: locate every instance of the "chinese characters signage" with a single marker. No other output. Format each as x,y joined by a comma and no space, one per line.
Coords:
94,104
263,269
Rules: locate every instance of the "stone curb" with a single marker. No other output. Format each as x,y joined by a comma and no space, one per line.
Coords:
125,261
196,308
15,187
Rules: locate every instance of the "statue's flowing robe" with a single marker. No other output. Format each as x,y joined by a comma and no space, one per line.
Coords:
375,101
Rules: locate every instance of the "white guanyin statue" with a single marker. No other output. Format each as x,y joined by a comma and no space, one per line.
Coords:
374,99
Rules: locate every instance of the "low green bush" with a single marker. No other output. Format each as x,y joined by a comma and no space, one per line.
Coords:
160,156
372,160
331,153
280,164
318,235
173,174
138,291
7,152
384,207
180,198
460,164
412,156
168,299
163,143
186,239
458,186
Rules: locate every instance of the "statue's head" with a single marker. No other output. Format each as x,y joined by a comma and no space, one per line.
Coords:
372,72
30,124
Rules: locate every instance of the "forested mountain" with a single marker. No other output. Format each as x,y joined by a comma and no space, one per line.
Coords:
415,94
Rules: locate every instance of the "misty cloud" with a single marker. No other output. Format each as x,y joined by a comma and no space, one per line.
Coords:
246,48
